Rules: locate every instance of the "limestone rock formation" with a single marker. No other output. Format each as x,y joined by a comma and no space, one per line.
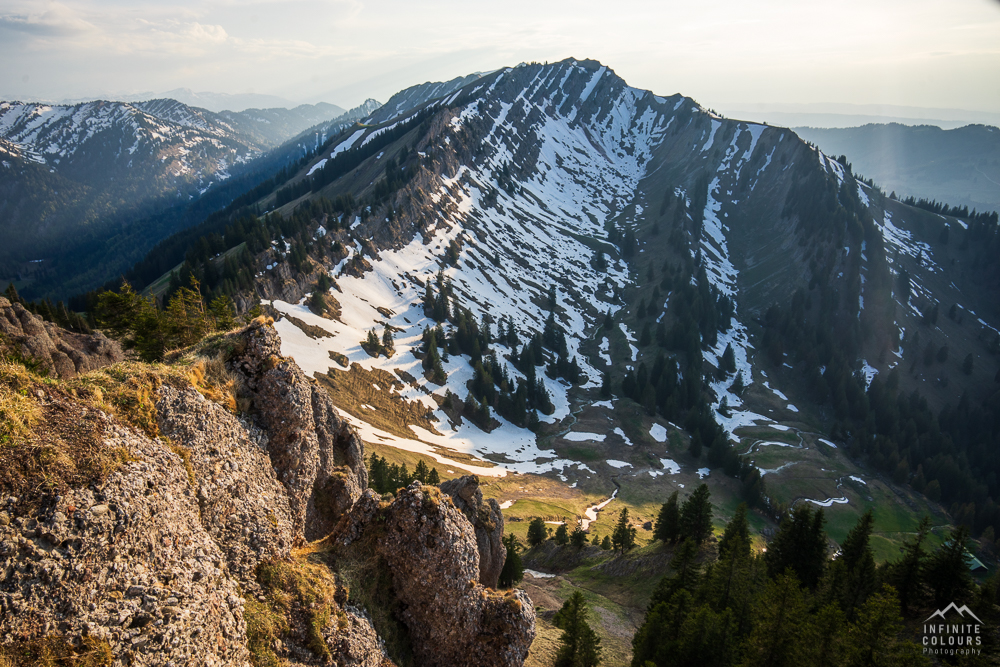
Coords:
317,455
129,563
62,353
487,519
243,505
182,554
431,550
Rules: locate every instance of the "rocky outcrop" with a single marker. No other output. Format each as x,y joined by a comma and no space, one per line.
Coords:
182,554
243,505
316,455
129,563
61,353
487,520
430,548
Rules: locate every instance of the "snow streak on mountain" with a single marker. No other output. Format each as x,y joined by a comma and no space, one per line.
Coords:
560,160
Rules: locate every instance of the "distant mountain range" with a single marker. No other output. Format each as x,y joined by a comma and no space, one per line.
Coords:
76,176
957,167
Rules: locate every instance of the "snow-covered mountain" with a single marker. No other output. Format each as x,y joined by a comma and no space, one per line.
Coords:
88,171
665,290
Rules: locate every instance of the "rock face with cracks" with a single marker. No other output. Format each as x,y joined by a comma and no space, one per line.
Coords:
431,549
487,519
317,455
158,563
61,353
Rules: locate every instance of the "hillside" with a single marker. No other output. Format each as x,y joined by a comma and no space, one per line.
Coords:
592,296
542,189
960,166
76,177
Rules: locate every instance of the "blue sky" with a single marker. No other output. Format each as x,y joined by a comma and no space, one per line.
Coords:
723,53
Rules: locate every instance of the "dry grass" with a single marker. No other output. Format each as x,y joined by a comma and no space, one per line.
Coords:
54,651
300,594
52,431
353,389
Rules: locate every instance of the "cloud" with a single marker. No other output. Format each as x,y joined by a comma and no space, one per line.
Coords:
215,34
53,23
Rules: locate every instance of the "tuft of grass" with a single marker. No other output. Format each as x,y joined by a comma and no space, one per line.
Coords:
369,580
300,589
55,651
215,382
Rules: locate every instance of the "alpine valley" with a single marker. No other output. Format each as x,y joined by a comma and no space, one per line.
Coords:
585,295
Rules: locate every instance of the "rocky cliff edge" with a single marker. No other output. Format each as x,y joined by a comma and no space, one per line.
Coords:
142,523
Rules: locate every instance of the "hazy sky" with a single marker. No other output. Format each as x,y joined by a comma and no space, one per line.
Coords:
723,52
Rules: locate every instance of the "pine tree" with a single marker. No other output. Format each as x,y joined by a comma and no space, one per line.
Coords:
736,538
536,532
907,574
728,364
513,569
623,538
948,572
421,472
696,515
606,543
800,544
852,574
562,535
433,477
579,644
667,528
578,538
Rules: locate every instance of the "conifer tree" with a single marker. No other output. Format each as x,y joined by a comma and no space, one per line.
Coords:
579,644
852,575
562,535
800,544
536,532
623,537
736,538
433,477
696,515
667,528
513,569
948,570
578,538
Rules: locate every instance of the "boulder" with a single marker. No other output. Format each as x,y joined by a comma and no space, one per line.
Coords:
61,353
430,547
317,456
487,520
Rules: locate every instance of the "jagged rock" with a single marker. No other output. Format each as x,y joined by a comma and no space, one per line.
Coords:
62,353
430,547
317,455
243,505
487,519
356,644
129,563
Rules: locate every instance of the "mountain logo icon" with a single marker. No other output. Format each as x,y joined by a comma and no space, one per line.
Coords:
962,611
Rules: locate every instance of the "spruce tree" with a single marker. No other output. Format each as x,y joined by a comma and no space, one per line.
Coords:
562,535
433,477
852,575
696,515
536,532
667,528
799,544
907,574
513,569
623,537
736,538
948,570
579,644
578,538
